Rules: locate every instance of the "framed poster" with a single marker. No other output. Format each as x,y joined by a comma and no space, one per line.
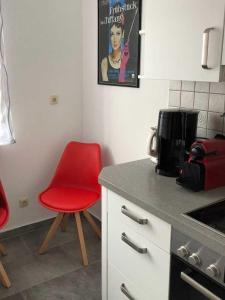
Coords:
119,42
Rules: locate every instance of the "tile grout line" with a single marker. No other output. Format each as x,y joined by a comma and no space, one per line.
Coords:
209,92
75,270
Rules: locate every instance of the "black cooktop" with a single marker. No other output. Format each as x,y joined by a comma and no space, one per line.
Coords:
211,215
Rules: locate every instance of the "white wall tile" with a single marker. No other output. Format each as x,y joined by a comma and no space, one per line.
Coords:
188,86
175,85
216,102
202,87
201,132
202,119
212,133
223,126
208,98
187,99
201,101
172,107
215,122
217,87
174,98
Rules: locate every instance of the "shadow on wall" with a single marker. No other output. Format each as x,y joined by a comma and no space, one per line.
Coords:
107,156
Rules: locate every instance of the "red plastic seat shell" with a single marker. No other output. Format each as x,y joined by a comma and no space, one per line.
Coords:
4,210
74,186
3,217
68,199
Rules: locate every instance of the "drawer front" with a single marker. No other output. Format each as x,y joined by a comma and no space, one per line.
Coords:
120,288
139,260
156,230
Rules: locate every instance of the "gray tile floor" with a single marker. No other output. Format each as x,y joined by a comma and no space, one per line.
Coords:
56,275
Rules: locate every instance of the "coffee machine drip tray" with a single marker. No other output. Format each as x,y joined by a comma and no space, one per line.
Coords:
212,216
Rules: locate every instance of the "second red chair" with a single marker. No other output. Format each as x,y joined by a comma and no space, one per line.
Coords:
74,188
4,214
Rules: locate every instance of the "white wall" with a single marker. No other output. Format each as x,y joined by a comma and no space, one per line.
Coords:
118,118
44,56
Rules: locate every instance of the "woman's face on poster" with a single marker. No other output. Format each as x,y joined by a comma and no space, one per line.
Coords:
116,34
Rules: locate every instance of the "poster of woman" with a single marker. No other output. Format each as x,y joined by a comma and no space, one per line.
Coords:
119,42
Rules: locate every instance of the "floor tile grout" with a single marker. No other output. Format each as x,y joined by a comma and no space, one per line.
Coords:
70,272
71,237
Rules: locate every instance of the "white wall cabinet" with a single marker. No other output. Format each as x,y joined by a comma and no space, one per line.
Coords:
174,43
135,257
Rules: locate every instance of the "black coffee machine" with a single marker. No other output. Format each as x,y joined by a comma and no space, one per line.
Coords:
176,133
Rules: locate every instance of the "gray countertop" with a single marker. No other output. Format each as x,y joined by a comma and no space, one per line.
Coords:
137,181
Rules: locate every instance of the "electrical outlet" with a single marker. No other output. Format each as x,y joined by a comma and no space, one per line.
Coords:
23,202
53,99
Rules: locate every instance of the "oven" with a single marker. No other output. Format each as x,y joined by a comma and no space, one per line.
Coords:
188,283
197,272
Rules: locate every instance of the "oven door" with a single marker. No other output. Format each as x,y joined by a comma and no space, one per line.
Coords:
187,283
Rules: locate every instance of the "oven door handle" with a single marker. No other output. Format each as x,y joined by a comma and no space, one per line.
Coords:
198,287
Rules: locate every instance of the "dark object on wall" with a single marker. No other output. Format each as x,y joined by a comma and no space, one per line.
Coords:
175,135
119,42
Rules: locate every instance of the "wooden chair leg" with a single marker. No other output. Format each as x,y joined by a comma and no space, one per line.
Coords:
92,222
4,277
81,239
51,233
64,222
2,250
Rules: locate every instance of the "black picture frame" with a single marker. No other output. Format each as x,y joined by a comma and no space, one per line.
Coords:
119,22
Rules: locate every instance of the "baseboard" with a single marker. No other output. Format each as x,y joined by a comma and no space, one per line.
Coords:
94,215
24,228
30,227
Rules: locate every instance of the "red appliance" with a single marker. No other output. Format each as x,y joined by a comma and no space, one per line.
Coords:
205,168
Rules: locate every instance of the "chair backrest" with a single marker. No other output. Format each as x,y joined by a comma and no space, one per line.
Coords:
79,166
4,210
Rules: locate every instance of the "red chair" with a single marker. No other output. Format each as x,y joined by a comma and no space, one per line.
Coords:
4,215
74,188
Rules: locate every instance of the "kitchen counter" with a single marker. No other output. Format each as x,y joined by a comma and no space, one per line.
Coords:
137,182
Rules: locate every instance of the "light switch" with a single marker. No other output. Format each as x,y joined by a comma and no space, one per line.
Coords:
53,99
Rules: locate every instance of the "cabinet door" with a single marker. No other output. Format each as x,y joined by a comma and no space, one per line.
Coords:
173,39
121,288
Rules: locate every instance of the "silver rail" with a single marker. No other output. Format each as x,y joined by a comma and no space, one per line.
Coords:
198,287
125,292
205,48
125,239
126,212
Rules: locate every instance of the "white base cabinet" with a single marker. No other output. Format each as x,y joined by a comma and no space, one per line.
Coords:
135,251
183,40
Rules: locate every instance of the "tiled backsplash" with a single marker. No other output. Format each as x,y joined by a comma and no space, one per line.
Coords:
208,98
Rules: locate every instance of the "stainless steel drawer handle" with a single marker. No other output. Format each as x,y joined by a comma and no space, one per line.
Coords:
126,212
125,291
125,239
205,48
198,287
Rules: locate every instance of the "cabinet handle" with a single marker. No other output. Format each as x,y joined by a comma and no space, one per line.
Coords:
205,48
125,292
126,212
125,239
198,287
142,34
